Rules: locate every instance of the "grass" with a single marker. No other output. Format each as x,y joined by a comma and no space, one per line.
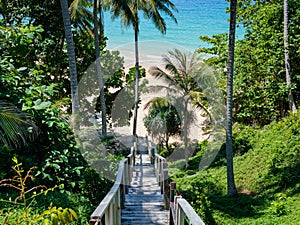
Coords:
267,172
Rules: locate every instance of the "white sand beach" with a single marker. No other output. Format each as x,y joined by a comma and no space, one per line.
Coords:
151,54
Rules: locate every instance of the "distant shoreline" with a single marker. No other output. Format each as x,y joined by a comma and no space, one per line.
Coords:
150,52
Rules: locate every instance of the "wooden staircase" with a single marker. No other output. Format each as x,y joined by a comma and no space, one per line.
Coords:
144,203
136,198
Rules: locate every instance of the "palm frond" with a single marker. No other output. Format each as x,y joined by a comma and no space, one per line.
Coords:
15,126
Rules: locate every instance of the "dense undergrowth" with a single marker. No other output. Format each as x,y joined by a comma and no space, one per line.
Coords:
267,172
27,196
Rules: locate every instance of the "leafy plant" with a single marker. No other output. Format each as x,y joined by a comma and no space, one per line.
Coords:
162,121
58,215
267,176
260,93
18,182
278,206
27,195
15,126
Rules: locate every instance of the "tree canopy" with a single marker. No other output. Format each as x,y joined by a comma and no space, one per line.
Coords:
260,93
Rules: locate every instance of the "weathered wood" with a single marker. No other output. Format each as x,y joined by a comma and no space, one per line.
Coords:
144,203
141,189
110,206
181,209
152,156
172,195
190,213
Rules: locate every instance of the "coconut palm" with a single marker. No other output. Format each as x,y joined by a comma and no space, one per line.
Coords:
71,56
231,188
15,126
129,12
81,15
162,121
287,58
182,71
90,22
98,65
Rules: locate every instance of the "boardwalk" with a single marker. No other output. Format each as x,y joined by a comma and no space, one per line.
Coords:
144,203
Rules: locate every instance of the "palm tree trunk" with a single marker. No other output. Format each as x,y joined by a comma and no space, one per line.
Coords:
167,142
136,99
98,70
287,58
231,189
71,56
101,19
185,133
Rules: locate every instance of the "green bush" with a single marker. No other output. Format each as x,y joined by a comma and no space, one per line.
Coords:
194,191
94,186
267,170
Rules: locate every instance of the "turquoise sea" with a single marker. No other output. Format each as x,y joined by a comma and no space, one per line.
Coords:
195,18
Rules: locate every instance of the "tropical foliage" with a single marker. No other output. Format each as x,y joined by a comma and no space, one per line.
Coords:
182,73
15,126
35,106
266,171
162,121
129,13
44,178
260,92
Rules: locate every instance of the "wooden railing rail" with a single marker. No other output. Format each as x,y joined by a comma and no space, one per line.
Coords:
180,209
162,175
110,207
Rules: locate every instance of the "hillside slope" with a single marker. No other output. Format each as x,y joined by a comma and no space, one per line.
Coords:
267,173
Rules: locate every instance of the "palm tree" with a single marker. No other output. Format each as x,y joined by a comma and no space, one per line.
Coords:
182,72
71,56
87,21
98,66
15,126
287,58
231,189
162,120
81,15
129,13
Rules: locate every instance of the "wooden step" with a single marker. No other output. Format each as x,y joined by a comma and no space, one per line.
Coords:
144,204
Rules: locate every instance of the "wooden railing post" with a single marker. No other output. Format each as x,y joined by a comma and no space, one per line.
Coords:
161,176
122,188
119,206
134,152
152,156
109,216
127,174
179,217
156,168
172,206
166,184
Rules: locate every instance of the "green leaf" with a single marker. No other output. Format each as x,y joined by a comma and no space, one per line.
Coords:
22,69
73,214
54,219
46,221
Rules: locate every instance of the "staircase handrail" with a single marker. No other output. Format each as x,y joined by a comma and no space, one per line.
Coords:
179,207
110,207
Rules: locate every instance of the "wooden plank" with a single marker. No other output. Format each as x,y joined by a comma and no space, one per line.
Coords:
189,212
144,202
103,206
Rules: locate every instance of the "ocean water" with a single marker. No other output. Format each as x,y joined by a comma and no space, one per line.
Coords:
195,18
